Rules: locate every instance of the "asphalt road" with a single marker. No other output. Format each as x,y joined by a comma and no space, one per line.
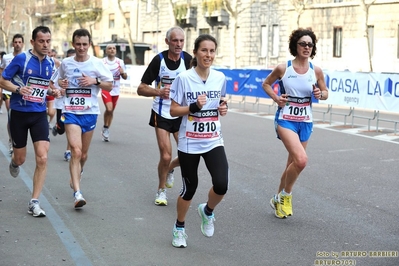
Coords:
345,201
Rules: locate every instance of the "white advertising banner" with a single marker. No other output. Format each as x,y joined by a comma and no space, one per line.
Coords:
375,91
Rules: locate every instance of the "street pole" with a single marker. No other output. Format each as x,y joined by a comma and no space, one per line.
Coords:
157,28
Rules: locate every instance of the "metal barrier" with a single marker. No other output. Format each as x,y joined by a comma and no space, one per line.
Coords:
272,107
329,108
386,120
365,117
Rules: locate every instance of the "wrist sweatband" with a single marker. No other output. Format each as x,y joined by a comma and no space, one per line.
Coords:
194,108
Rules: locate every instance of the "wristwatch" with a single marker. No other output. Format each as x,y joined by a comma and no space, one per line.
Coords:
98,81
17,90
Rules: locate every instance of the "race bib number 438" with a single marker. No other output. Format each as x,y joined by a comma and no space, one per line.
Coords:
77,99
203,125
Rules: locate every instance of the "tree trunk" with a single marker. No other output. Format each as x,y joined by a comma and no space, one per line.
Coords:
130,39
366,8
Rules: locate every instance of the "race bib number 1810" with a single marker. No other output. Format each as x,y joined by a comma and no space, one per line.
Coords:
203,124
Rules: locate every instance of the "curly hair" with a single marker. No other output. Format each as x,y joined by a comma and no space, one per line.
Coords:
296,35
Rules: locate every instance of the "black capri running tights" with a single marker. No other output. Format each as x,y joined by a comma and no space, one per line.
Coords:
216,163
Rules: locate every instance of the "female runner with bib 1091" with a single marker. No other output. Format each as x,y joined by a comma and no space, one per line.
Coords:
293,122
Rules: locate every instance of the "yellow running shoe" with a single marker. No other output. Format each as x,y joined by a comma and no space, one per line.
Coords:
276,207
285,204
160,198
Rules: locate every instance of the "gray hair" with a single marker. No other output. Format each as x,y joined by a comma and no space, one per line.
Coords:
169,32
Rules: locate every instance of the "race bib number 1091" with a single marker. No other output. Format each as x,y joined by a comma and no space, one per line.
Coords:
297,109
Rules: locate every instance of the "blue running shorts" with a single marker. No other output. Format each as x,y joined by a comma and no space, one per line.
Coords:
87,122
303,129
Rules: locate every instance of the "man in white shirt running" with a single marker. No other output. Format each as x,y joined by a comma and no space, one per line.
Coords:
110,99
17,44
82,77
163,69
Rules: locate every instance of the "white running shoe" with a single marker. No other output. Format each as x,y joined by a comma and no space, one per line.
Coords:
34,209
67,155
160,198
79,200
105,134
179,237
207,227
14,171
170,179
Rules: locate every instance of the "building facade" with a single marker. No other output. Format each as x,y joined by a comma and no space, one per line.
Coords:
352,35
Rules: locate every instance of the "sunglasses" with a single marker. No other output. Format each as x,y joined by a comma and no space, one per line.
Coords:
304,44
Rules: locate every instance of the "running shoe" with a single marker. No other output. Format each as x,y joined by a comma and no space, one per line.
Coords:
286,204
160,198
170,179
275,204
207,227
14,171
67,155
54,130
34,209
105,134
10,148
179,237
79,200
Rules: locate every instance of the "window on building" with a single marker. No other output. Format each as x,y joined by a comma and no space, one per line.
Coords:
370,33
218,37
263,41
149,6
337,39
338,1
111,21
204,31
275,40
127,18
189,48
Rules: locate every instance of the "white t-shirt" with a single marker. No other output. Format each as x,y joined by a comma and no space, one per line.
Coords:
199,132
7,58
114,66
165,77
58,102
80,100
